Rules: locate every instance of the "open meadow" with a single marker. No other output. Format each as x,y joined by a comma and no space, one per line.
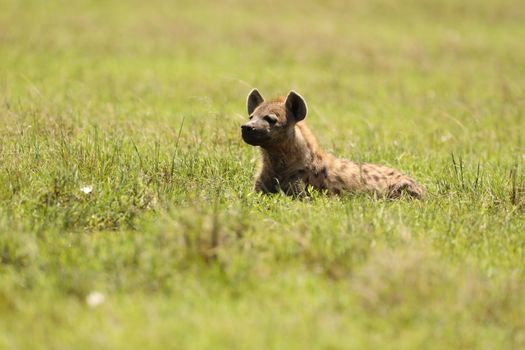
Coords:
127,213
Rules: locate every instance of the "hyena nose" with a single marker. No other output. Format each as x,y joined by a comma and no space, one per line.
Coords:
246,127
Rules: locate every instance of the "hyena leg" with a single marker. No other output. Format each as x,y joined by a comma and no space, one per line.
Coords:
406,187
266,185
273,185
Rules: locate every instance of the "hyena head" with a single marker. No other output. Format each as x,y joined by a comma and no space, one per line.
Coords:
272,122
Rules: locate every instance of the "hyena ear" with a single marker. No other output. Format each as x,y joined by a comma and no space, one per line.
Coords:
296,105
254,100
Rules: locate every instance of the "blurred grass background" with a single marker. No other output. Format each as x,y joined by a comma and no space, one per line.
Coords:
142,103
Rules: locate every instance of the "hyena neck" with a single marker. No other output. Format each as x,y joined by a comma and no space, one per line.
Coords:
299,151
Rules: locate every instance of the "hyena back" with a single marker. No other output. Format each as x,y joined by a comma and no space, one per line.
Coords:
293,161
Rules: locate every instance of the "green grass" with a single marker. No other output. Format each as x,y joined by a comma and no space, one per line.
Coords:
143,102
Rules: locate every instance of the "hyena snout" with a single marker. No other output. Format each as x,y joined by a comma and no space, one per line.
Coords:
254,134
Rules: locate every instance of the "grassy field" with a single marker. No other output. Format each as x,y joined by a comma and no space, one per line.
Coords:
127,217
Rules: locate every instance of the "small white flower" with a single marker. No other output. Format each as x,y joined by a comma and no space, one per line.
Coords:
86,189
95,299
446,137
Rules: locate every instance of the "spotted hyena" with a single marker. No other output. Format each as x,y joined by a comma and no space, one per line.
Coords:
293,161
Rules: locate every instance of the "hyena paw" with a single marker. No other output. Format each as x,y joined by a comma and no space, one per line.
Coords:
406,188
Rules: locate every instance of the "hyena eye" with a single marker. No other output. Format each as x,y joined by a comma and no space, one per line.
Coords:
270,119
251,117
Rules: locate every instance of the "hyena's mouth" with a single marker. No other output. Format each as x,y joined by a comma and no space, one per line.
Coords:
254,137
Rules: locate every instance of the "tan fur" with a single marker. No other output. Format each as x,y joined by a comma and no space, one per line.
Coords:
293,161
